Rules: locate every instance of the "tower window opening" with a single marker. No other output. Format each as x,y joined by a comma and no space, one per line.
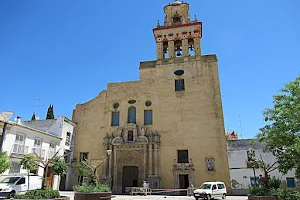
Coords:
165,49
176,19
178,48
191,47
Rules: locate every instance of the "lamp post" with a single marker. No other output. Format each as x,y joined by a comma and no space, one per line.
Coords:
4,116
109,166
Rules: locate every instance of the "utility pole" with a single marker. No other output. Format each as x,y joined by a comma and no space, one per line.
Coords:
3,135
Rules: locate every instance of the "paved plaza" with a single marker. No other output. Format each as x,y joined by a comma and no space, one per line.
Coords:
154,197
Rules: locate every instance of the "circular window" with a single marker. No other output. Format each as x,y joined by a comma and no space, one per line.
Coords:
179,72
131,101
148,103
116,105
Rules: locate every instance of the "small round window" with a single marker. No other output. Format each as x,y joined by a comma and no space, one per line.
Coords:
179,72
148,103
131,101
116,105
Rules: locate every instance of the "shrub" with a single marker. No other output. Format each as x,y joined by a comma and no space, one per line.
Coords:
274,183
39,194
287,193
260,191
92,188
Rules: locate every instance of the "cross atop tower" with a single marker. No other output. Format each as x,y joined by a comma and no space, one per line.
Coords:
179,36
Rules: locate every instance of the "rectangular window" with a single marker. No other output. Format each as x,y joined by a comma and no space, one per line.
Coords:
83,156
179,85
37,143
249,155
68,136
115,118
291,182
19,139
15,168
183,156
147,117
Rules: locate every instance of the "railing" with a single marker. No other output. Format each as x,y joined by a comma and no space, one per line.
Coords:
40,152
139,190
19,149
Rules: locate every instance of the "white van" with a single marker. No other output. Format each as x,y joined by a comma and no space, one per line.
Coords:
10,185
210,190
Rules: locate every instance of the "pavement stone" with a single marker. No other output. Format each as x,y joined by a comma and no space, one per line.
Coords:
153,197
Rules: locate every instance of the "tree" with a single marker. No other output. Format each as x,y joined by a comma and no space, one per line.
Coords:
4,162
50,112
282,134
59,166
29,162
33,117
89,169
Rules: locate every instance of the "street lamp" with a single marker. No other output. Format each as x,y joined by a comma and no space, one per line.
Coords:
109,166
4,116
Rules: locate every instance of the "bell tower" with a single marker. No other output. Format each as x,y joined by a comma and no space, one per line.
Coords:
178,37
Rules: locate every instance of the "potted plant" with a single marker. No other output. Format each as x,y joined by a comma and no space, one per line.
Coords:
92,189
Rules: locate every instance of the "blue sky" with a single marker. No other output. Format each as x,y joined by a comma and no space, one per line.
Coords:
65,52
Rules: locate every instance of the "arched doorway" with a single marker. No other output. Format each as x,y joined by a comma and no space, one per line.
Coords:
130,177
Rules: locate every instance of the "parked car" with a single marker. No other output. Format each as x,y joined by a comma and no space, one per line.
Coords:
10,185
210,190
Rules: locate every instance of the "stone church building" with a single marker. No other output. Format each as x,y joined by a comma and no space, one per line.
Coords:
166,128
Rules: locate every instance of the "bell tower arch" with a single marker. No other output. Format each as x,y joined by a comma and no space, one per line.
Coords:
178,37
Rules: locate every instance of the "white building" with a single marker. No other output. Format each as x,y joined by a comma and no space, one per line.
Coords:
63,128
242,174
45,137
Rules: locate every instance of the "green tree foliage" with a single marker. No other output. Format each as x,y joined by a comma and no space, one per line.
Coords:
33,117
282,134
50,112
29,162
59,166
4,162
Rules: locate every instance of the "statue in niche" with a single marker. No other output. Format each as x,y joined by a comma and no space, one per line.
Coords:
130,136
119,132
143,130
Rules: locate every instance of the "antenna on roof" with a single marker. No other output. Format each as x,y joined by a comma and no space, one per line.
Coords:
38,108
241,126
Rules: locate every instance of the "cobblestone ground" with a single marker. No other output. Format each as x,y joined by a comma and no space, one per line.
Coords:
154,197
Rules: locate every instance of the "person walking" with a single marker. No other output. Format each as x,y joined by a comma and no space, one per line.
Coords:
145,187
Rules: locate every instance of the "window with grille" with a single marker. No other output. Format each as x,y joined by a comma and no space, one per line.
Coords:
15,168
132,115
37,143
83,156
147,117
68,139
182,156
115,118
179,85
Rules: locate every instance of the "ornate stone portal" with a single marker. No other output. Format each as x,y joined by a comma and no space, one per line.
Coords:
132,148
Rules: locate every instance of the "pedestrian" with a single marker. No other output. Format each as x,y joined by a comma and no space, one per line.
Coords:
145,187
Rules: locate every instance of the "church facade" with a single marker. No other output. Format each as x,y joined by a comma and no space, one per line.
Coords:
166,128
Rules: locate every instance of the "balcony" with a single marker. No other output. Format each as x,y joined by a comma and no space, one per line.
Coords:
40,152
19,149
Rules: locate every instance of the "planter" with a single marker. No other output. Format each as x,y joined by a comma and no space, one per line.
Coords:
262,198
93,196
60,198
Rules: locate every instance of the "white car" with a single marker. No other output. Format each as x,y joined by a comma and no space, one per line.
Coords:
211,190
13,184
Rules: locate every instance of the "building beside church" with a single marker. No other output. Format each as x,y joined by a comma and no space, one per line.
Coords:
167,127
